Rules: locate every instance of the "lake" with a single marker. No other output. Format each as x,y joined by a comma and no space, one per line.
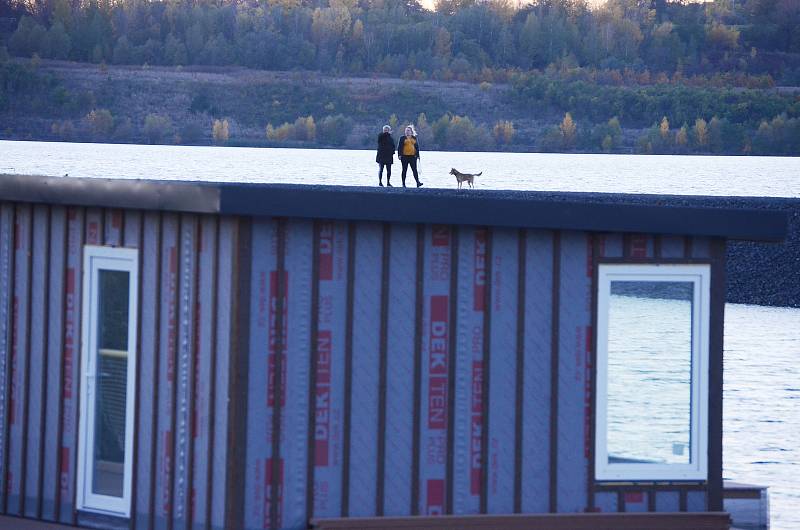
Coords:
762,344
761,413
686,175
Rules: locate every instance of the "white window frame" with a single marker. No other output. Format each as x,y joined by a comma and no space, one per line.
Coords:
697,469
95,259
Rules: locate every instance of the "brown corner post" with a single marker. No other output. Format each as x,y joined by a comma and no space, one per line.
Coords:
237,390
715,362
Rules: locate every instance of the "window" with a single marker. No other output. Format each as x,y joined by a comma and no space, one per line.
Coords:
108,368
652,372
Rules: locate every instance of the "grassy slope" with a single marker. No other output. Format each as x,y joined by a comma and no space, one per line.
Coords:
250,99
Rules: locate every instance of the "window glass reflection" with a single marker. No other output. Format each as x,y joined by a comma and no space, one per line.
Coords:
112,376
649,372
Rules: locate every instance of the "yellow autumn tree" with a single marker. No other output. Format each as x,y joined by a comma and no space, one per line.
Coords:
220,131
568,130
663,128
682,137
503,132
701,132
304,129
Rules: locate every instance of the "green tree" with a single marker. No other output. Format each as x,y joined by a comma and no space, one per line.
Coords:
28,38
157,127
58,43
715,138
101,123
122,51
191,133
334,130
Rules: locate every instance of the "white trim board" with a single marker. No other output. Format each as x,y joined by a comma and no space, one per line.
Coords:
697,468
96,259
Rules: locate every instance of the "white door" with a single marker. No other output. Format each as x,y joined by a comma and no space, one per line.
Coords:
108,369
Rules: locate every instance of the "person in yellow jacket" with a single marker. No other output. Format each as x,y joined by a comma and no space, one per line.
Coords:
408,151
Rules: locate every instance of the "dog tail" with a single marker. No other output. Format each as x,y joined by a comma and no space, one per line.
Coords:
479,174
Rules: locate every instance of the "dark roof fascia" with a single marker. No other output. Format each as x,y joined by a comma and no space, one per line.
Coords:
514,209
112,193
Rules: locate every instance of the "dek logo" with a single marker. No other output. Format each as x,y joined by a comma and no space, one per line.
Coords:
476,429
440,235
326,249
437,363
435,499
479,278
322,414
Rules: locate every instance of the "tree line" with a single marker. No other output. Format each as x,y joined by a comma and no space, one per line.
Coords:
607,78
460,39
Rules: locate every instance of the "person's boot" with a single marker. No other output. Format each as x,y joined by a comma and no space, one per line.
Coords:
380,183
419,184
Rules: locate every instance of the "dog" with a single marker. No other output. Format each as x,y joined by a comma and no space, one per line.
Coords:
461,177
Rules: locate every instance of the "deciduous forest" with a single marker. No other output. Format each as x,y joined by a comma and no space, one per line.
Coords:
650,76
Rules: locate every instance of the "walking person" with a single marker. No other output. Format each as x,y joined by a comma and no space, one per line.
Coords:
408,151
385,155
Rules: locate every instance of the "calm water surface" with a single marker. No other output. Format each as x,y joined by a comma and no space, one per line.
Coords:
687,175
762,345
762,405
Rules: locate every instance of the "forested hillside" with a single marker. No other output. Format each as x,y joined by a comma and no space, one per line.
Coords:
635,75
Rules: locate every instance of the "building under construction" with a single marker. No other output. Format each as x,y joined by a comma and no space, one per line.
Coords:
198,355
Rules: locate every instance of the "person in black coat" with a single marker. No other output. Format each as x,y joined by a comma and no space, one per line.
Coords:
408,151
385,155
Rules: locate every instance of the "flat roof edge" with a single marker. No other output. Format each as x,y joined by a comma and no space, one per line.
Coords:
111,193
594,212
512,209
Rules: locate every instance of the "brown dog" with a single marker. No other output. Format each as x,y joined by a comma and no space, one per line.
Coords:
461,177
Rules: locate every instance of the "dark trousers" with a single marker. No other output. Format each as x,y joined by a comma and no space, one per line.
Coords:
388,172
407,160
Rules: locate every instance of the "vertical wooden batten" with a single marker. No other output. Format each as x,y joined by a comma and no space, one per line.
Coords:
348,371
154,228
382,371
452,360
133,236
314,359
715,364
7,246
212,390
239,357
280,348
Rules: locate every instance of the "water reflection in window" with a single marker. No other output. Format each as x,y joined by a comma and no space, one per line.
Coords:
649,372
112,376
